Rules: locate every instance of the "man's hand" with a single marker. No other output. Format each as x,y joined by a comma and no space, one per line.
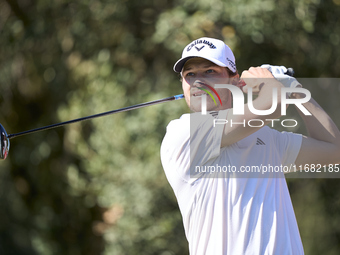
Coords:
280,73
255,78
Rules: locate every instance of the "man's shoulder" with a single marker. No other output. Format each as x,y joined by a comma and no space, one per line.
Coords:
177,123
275,137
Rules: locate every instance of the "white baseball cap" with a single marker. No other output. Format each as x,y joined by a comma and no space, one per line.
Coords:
211,49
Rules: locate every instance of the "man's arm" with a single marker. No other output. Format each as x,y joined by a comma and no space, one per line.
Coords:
322,146
262,82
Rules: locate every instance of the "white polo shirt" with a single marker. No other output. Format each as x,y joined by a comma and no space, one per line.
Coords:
234,213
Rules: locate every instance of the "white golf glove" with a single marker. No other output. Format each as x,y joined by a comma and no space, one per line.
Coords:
279,72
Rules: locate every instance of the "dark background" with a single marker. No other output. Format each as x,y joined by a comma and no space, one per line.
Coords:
97,187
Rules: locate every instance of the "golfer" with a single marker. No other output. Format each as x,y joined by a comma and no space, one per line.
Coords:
225,211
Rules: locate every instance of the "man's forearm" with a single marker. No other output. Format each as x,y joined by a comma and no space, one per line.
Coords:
319,125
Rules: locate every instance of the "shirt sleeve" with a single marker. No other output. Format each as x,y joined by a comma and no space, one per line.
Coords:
206,135
289,145
191,141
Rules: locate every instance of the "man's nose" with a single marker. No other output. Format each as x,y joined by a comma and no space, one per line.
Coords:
198,83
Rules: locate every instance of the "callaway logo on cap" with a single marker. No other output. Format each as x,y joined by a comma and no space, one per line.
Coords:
211,49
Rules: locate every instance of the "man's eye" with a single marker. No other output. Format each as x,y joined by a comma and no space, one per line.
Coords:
210,71
190,74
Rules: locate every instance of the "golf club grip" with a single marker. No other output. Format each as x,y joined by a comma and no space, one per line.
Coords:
290,71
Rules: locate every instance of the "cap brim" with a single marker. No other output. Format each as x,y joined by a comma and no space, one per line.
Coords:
180,63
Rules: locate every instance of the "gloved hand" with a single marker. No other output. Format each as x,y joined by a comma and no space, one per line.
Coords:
279,72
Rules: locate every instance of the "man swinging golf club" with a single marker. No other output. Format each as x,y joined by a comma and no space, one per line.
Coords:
231,212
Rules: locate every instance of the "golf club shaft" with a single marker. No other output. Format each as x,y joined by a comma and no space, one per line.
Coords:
125,109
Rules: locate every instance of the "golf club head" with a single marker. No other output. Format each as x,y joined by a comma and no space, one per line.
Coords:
4,142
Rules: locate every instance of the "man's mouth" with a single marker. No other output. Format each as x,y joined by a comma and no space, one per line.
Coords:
199,94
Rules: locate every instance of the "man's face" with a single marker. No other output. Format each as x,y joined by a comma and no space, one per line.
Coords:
199,74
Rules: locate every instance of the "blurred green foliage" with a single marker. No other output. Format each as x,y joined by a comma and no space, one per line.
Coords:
97,187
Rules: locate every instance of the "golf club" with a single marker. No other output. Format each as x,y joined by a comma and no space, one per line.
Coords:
4,137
